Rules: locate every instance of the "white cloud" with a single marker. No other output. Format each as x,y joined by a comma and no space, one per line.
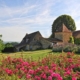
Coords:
73,9
25,17
11,12
13,33
42,14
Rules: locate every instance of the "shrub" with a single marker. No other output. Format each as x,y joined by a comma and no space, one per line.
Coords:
9,49
70,48
78,49
71,40
66,48
57,49
59,67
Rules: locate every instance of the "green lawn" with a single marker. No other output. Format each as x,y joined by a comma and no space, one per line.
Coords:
35,55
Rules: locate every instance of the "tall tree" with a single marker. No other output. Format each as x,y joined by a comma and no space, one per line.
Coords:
1,44
67,20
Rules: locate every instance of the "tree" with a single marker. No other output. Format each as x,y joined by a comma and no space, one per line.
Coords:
67,20
77,41
14,43
8,45
11,44
1,44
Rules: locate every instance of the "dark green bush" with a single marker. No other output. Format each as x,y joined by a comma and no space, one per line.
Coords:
9,49
77,41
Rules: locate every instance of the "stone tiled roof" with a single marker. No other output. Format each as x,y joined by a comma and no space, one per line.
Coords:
31,36
28,36
76,33
54,40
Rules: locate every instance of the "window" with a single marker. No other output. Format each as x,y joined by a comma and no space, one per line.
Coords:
27,40
51,44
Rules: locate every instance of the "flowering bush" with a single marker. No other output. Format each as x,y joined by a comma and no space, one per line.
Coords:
52,67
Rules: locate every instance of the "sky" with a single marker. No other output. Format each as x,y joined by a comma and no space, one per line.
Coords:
18,17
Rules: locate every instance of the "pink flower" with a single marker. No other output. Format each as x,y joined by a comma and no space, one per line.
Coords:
57,76
25,64
49,77
15,71
70,60
59,68
53,65
43,75
37,78
69,54
18,66
8,71
67,73
22,69
73,78
28,76
31,71
53,74
50,71
20,76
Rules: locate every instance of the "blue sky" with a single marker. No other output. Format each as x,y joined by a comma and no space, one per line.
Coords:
18,17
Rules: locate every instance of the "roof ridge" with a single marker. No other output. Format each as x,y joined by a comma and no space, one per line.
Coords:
63,28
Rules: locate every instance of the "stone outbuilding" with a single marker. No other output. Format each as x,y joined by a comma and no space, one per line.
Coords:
33,41
62,35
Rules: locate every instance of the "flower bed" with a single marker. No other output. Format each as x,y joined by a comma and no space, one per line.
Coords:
52,67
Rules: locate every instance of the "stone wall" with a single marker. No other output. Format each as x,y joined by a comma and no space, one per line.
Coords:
45,43
66,37
59,35
37,36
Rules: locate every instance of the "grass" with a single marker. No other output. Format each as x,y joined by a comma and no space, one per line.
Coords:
35,55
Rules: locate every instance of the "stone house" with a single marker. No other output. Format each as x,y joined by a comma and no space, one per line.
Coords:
62,35
33,41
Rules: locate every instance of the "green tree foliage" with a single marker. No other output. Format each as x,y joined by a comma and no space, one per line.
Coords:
14,43
1,44
67,20
71,40
8,45
11,44
77,41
